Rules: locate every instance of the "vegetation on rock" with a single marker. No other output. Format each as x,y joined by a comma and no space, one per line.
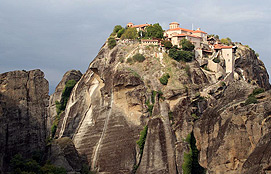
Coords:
19,165
129,33
111,42
154,31
142,139
167,44
164,79
181,55
60,106
251,98
190,163
226,41
138,57
186,45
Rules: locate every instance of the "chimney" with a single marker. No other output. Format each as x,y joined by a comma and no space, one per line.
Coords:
198,29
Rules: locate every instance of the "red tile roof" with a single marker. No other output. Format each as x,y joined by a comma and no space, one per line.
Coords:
174,23
218,47
182,35
130,23
199,31
176,29
140,26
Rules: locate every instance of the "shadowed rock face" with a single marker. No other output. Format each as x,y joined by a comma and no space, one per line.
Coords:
23,102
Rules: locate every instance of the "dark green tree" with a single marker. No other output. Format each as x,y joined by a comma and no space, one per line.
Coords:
111,42
167,44
155,31
120,32
186,45
130,33
117,28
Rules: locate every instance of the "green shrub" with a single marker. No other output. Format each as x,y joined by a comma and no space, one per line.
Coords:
66,93
190,162
120,32
170,116
150,107
251,99
216,60
206,68
195,116
130,60
153,96
53,129
226,41
167,44
186,56
257,91
154,31
180,55
186,45
60,106
20,165
111,42
138,57
142,139
164,79
222,84
129,33
117,28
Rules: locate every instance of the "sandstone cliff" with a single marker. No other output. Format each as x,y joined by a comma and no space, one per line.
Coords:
56,96
116,98
23,103
121,118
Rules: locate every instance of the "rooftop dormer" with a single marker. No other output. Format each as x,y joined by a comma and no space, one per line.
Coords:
174,25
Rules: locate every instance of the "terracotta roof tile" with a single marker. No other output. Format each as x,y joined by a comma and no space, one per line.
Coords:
141,25
199,31
218,47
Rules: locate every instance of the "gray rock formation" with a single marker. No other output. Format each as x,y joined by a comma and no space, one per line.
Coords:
118,96
113,101
62,153
56,96
23,102
231,136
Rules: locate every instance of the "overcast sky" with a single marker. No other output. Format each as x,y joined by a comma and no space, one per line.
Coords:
58,35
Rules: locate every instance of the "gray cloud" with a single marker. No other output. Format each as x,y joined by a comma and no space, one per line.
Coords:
56,36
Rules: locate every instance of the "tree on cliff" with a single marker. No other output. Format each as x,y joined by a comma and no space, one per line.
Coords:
155,31
226,41
186,45
129,33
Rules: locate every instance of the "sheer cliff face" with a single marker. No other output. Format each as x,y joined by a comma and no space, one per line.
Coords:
56,96
23,103
113,101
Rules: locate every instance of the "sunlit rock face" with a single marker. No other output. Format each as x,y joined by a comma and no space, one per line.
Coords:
110,105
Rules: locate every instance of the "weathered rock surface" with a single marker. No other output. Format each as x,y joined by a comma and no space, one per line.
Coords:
113,100
251,68
56,96
62,153
231,136
23,102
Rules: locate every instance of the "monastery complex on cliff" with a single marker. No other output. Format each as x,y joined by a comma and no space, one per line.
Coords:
203,45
